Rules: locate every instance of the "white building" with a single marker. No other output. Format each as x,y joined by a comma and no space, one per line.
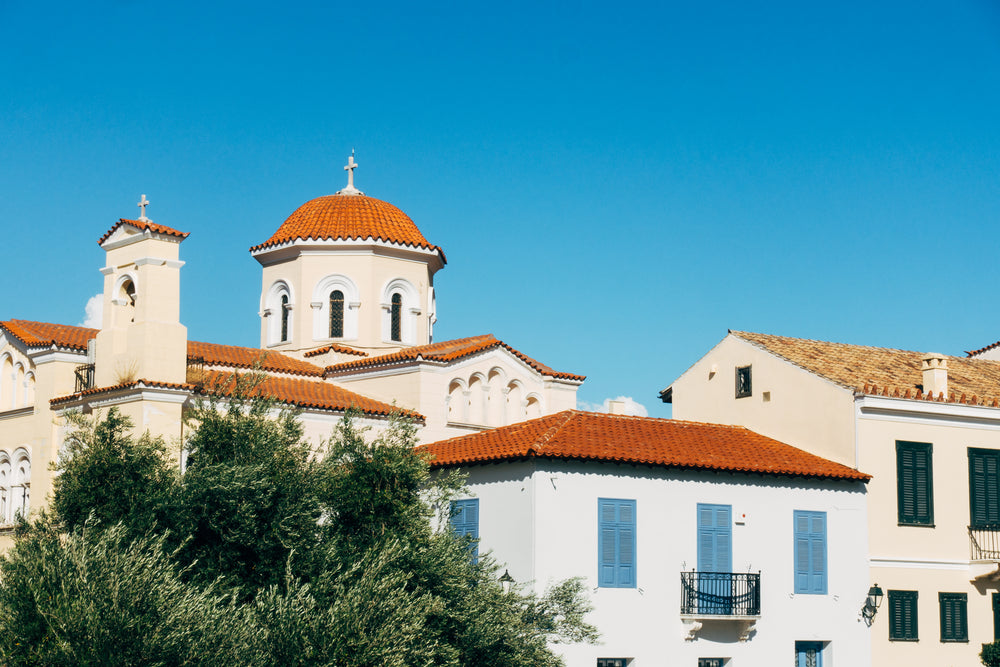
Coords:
926,426
644,509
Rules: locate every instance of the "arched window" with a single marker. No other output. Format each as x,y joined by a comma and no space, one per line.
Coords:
396,325
285,310
401,313
18,387
123,300
276,311
5,472
6,383
336,314
21,488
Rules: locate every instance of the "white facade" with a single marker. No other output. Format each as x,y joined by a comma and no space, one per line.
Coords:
540,519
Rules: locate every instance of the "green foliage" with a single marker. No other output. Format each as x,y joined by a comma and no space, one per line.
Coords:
990,655
104,472
263,553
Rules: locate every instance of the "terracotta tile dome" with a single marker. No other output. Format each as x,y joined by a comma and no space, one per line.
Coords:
344,217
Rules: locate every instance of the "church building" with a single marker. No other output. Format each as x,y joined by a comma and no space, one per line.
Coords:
347,312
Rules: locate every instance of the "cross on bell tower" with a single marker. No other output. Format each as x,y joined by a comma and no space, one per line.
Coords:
351,166
143,203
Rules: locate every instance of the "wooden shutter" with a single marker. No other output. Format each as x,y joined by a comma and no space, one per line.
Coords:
984,487
915,483
954,617
616,539
903,615
465,521
810,552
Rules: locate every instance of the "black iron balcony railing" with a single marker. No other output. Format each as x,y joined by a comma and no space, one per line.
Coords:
720,593
984,542
84,378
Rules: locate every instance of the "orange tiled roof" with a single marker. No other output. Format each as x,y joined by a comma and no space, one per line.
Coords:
302,393
305,393
234,356
143,225
349,217
883,371
591,436
35,334
447,351
333,347
119,387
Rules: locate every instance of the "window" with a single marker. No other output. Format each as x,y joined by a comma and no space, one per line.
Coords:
954,617
612,662
810,552
984,488
903,616
285,310
396,318
914,482
465,521
996,616
743,386
711,662
616,543
808,654
336,314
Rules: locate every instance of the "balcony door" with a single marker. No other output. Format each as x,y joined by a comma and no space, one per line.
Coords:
715,558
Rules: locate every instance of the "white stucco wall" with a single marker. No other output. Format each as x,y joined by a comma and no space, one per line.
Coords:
540,518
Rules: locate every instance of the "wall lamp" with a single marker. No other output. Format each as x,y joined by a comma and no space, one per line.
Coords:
872,603
506,581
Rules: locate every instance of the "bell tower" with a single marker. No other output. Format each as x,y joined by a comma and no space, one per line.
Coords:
141,336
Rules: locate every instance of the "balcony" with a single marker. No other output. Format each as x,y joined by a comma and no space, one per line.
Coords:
720,596
984,552
84,378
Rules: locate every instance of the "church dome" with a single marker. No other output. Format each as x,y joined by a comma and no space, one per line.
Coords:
349,217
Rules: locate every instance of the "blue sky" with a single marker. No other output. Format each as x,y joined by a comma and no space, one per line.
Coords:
615,185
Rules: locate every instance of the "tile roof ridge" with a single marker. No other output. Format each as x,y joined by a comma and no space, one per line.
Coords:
143,225
557,425
991,346
742,334
132,384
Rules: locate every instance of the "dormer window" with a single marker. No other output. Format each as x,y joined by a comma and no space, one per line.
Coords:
743,386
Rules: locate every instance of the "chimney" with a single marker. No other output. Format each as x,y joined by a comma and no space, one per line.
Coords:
934,367
616,407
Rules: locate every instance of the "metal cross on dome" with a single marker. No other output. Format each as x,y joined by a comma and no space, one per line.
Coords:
143,203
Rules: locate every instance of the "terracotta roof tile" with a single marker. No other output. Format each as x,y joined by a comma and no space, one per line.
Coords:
119,387
884,371
991,346
333,347
447,351
34,334
304,393
143,225
349,217
234,356
591,436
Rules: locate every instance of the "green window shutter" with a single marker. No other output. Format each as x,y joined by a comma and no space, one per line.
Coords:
954,617
984,487
902,615
915,483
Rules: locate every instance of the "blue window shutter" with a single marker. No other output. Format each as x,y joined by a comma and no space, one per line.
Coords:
715,538
810,573
616,537
465,521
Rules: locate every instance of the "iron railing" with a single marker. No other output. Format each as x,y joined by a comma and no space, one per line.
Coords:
984,542
84,378
720,593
